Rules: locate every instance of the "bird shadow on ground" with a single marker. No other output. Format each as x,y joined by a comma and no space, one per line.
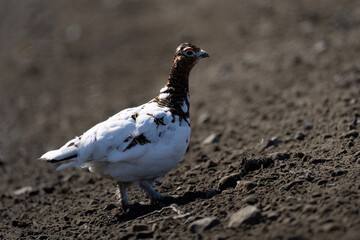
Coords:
138,210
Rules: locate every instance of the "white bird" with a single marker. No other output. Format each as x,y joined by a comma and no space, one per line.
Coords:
139,144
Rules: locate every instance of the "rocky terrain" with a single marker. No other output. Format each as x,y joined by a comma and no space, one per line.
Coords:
274,151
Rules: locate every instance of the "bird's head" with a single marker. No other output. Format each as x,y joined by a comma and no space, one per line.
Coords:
188,55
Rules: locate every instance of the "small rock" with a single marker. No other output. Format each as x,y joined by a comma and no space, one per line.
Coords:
210,164
229,181
154,227
309,209
139,228
274,141
299,136
213,138
287,220
245,185
308,126
73,32
247,215
350,134
23,190
272,215
357,154
353,101
320,46
94,202
330,227
326,136
250,200
203,118
316,195
203,224
110,206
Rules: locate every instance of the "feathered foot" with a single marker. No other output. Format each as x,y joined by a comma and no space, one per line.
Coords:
123,198
151,193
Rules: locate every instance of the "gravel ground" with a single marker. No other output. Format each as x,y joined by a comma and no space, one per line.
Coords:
274,151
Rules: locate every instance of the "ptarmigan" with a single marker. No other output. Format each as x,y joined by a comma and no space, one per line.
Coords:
139,144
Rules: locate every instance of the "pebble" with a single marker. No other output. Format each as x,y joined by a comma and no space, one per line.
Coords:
229,181
73,32
329,227
247,215
212,138
155,227
203,118
272,215
326,136
245,185
299,136
308,126
23,190
309,209
203,224
320,46
272,142
250,200
210,164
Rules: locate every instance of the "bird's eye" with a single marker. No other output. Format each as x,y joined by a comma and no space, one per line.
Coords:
189,53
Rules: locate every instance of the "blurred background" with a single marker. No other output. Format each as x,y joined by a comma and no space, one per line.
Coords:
68,65
273,66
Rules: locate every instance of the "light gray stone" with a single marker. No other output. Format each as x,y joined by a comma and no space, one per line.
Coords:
203,224
248,215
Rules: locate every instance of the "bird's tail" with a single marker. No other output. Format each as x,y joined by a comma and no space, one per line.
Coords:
68,152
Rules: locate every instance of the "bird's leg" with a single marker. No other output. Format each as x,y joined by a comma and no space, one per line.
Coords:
122,193
150,191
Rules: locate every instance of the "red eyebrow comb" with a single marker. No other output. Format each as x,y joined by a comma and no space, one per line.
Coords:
188,48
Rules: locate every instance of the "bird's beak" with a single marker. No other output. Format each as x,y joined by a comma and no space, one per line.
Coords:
202,54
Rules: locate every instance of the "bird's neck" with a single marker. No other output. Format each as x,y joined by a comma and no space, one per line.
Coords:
175,94
179,78
176,90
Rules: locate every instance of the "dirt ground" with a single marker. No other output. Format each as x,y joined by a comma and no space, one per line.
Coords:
275,102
